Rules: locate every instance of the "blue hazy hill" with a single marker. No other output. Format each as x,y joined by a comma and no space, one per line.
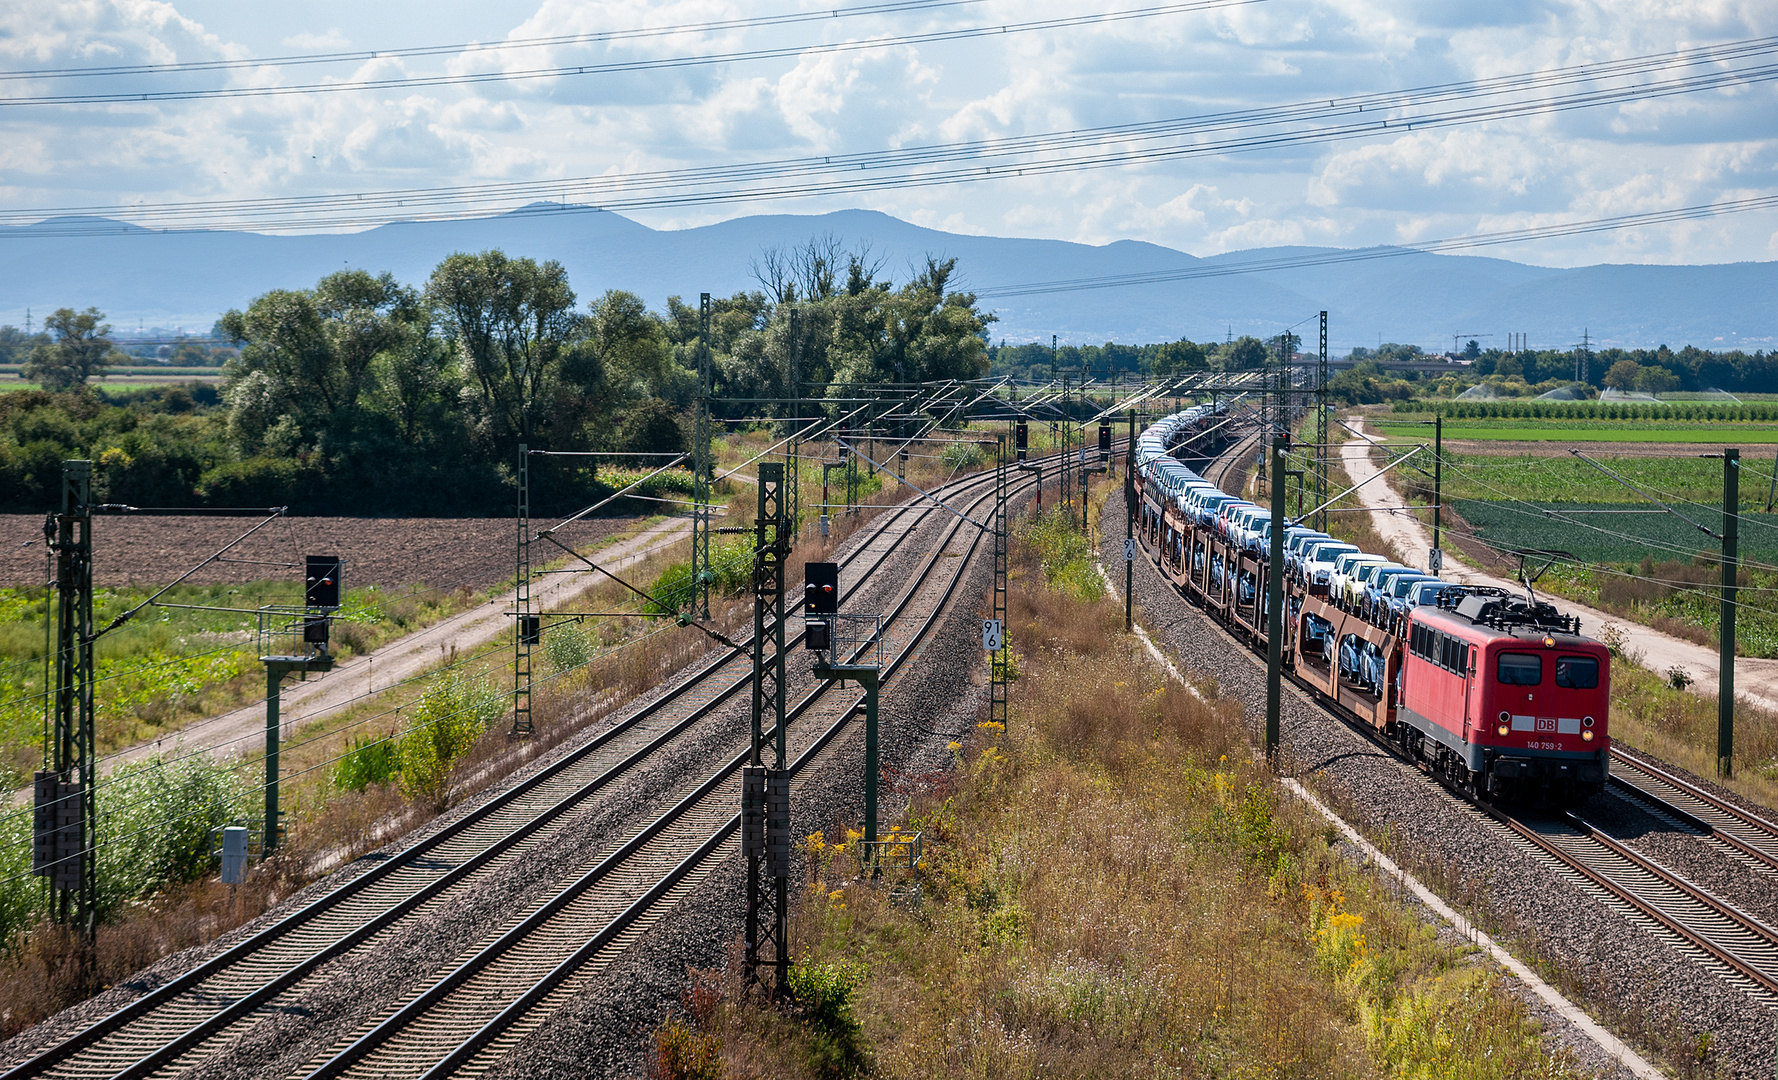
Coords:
187,278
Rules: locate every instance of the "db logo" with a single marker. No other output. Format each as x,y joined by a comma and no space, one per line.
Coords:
1546,723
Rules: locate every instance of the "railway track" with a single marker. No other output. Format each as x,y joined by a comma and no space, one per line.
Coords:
1746,833
179,1023
1731,941
503,990
1735,941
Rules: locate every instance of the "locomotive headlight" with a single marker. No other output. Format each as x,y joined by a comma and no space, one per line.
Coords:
1587,735
1549,642
1586,722
1504,729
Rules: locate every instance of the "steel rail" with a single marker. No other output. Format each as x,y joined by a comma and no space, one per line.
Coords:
438,993
1742,830
241,1005
1721,919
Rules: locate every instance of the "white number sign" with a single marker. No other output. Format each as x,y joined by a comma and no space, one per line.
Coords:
991,637
1130,550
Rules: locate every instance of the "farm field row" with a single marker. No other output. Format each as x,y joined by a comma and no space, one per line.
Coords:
1612,532
1613,431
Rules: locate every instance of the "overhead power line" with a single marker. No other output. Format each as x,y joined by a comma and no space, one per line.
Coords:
410,82
597,37
1326,120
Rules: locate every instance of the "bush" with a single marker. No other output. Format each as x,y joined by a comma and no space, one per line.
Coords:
961,455
260,481
371,760
567,647
682,1054
823,992
445,724
731,569
1065,553
158,820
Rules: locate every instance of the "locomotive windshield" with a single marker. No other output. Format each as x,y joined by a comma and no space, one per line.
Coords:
1522,669
1577,672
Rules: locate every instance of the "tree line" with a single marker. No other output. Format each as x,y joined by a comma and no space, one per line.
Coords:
366,395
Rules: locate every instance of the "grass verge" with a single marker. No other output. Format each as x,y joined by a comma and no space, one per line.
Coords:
1110,888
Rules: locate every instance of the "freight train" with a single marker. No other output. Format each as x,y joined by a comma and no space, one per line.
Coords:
1498,694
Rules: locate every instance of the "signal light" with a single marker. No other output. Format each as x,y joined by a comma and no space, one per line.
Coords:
1021,438
821,588
530,629
1586,736
321,581
1104,437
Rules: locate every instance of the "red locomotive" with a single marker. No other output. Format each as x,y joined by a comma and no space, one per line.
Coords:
1498,694
1504,695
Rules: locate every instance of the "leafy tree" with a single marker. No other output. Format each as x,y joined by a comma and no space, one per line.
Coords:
1622,375
651,427
1656,380
308,357
16,345
1242,354
512,321
1472,351
1177,357
81,349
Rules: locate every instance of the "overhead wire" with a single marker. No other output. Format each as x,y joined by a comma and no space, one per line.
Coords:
556,71
1110,146
597,37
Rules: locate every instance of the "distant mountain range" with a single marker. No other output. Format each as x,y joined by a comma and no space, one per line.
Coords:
187,278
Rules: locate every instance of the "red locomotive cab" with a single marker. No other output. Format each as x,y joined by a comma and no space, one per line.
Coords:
1544,694
1504,695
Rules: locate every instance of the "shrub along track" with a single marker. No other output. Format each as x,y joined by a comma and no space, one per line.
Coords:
218,1003
1663,989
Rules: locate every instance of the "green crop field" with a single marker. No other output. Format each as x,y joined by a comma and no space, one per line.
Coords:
1559,477
1615,532
1719,433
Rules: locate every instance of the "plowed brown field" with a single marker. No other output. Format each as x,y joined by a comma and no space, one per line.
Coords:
439,552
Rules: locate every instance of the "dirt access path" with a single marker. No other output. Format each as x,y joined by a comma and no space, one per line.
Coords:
243,730
1755,680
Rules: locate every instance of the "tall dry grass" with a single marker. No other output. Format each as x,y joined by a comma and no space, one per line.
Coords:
1112,887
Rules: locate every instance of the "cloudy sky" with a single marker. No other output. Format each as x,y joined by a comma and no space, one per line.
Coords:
229,139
